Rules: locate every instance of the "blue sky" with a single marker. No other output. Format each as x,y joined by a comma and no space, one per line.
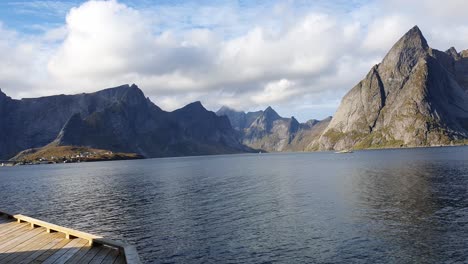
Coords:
33,16
300,56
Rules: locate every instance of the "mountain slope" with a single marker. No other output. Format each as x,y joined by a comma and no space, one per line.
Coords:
415,97
306,139
268,131
118,119
35,122
239,120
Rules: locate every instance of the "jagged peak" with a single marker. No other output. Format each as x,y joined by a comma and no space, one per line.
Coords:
197,105
414,38
452,52
407,50
416,34
271,114
121,89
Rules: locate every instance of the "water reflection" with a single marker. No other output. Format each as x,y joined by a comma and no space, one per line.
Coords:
404,201
402,206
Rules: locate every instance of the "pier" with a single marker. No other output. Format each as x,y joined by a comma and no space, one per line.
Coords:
27,240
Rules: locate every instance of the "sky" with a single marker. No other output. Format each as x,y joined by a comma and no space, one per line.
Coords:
300,57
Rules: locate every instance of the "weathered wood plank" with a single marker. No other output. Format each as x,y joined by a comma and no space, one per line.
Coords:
43,257
19,239
67,255
111,257
10,228
101,255
14,233
60,252
120,260
40,251
21,242
45,252
20,252
90,254
78,255
6,226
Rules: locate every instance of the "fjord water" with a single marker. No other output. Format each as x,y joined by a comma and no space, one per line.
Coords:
397,206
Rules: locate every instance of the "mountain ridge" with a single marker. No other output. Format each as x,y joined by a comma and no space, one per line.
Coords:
118,119
271,132
411,98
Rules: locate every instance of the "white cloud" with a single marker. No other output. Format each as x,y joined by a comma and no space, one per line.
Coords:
275,92
247,58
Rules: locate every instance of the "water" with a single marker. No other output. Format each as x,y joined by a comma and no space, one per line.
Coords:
392,206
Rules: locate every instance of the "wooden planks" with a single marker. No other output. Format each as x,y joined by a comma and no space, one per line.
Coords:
24,241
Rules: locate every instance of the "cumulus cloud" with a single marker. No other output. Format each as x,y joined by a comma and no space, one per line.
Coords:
300,60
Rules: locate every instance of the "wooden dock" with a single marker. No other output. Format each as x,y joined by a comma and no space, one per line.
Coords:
27,240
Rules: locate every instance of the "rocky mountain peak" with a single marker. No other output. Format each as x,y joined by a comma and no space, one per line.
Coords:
413,98
452,52
271,114
415,36
195,106
406,52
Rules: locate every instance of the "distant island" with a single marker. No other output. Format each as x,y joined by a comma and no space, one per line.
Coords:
417,96
68,154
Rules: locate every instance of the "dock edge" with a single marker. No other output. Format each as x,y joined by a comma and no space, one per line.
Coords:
129,251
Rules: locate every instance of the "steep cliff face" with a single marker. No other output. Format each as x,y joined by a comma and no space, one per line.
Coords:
414,97
117,119
306,139
270,132
35,122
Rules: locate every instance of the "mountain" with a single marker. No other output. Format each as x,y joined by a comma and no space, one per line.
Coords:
268,131
307,136
239,119
119,119
417,96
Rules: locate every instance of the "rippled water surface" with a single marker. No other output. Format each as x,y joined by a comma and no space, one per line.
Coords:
392,206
